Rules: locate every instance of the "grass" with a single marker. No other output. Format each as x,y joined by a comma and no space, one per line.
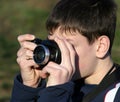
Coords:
17,17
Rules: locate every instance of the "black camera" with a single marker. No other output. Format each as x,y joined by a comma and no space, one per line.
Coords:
46,50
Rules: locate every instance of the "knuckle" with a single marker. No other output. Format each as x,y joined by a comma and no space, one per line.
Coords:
27,52
19,51
18,60
19,37
24,44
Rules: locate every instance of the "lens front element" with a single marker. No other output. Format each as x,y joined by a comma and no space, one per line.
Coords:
41,55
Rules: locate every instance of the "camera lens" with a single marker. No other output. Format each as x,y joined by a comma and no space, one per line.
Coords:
46,50
41,55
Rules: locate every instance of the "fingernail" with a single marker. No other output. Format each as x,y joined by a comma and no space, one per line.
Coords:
33,36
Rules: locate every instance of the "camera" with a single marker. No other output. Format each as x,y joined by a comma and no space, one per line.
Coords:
46,50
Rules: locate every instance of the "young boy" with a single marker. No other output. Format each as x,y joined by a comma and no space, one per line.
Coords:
84,31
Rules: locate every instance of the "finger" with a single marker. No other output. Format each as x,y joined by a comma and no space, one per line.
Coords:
57,74
68,55
65,53
55,69
43,74
29,53
52,71
24,63
29,45
26,52
72,57
26,37
72,53
21,51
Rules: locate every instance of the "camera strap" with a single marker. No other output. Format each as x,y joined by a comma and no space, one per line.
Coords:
108,80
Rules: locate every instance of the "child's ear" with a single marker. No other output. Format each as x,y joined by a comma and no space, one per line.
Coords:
102,46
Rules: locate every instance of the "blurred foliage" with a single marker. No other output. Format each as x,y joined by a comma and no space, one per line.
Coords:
26,16
18,17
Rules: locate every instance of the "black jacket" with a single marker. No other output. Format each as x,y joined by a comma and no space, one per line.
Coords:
68,92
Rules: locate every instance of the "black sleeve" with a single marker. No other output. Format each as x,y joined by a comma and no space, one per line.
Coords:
22,93
59,93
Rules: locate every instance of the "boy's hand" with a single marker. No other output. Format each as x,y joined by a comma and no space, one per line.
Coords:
60,74
29,69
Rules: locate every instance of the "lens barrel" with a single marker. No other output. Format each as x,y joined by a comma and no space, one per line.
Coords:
41,55
46,50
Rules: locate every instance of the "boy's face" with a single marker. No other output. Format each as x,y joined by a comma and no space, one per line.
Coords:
86,59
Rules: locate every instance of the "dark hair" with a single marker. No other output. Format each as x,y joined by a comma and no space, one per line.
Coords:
92,18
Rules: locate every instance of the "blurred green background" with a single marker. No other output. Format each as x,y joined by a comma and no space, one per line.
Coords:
27,16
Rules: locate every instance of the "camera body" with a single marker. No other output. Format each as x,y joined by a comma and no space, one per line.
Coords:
46,50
